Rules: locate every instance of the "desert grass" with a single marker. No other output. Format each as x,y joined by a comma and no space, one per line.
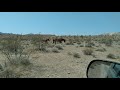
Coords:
88,51
76,55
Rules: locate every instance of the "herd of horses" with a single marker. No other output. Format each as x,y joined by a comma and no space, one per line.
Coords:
55,41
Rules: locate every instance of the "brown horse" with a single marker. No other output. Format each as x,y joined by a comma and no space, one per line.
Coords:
60,40
46,40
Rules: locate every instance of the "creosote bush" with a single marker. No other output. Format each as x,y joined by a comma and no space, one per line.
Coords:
112,56
37,41
55,50
13,50
9,71
76,55
88,51
12,45
69,53
59,47
101,49
90,44
81,45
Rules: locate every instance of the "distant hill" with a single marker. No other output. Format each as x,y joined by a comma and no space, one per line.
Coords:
113,33
1,33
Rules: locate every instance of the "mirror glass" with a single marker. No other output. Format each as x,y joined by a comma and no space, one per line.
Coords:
103,69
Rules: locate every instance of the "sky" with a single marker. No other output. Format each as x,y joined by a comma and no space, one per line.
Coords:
60,23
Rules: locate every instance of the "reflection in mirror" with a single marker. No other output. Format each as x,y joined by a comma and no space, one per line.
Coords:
103,69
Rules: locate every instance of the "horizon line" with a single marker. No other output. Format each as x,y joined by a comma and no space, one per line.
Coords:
59,34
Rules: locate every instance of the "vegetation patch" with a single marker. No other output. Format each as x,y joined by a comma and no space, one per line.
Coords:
70,53
101,49
88,51
112,56
76,55
59,47
55,50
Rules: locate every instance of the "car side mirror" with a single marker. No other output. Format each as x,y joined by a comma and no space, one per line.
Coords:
103,69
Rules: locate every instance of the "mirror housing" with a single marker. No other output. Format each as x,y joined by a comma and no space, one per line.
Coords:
103,69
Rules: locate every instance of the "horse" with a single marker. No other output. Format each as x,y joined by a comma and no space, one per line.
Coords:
46,40
58,40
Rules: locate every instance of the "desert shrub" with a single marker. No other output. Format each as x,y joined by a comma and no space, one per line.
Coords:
118,43
19,60
16,57
47,50
1,67
109,42
59,47
12,45
14,67
94,56
97,45
8,71
90,44
69,43
88,51
55,50
37,41
76,55
76,46
101,49
51,45
13,50
81,45
42,47
112,56
25,61
69,53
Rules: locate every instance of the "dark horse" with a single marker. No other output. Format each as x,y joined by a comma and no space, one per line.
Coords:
58,40
46,40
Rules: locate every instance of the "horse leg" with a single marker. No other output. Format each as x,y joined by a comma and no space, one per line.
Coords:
60,41
53,41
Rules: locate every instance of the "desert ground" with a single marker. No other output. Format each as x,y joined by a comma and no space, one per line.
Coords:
60,62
